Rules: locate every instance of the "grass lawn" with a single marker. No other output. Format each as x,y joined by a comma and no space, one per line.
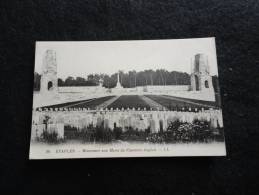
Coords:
129,101
64,104
94,103
173,104
209,103
89,103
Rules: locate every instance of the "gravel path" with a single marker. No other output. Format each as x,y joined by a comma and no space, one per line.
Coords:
153,104
107,103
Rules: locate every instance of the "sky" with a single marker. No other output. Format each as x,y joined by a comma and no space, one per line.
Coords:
82,58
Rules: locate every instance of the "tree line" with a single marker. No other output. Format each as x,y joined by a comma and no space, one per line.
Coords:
128,79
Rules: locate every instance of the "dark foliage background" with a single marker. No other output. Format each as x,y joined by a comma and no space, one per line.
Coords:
127,79
235,25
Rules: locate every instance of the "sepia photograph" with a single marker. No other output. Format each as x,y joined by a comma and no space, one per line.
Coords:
145,98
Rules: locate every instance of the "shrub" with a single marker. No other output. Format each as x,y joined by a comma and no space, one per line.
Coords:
156,138
103,135
174,125
134,135
185,133
203,132
117,132
71,132
198,131
148,130
50,137
88,134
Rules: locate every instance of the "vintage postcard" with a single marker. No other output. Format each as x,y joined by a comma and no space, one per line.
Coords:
149,98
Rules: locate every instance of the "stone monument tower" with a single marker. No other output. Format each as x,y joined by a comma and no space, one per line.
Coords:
118,85
200,76
100,83
49,80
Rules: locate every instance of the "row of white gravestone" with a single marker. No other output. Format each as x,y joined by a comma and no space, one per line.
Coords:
59,116
122,109
139,122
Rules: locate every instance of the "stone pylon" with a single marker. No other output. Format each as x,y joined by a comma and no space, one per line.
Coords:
49,80
201,79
